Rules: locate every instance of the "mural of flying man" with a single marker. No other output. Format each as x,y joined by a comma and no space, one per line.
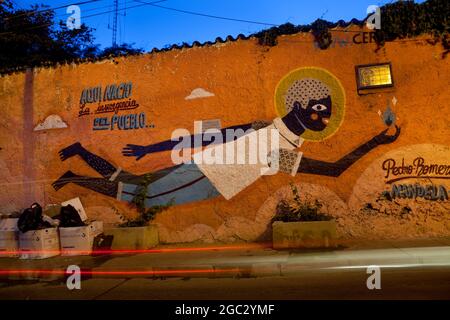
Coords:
310,103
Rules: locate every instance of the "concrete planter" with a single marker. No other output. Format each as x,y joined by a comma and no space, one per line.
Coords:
311,234
134,238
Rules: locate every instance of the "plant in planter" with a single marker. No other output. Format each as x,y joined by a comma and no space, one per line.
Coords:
138,233
301,224
145,214
298,210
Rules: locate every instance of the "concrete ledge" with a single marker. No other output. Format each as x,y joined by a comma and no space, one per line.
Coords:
35,275
185,271
311,234
134,238
105,273
291,268
266,270
232,271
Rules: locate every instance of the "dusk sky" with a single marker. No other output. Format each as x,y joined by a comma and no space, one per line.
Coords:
150,26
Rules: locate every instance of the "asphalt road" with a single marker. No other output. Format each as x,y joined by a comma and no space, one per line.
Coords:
396,283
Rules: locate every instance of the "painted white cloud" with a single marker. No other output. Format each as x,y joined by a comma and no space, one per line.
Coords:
51,122
199,93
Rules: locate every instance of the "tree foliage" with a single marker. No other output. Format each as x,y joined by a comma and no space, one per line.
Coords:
30,38
402,19
120,50
33,37
406,19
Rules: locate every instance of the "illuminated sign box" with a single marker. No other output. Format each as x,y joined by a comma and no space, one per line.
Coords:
371,76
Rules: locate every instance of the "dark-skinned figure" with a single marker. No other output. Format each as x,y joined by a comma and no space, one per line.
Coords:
309,107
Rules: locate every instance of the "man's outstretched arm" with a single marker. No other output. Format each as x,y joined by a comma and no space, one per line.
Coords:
133,150
335,169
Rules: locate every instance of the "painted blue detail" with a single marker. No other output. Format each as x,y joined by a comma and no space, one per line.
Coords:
185,184
121,122
101,124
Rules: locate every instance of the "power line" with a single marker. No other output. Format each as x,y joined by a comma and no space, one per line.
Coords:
96,8
29,13
85,17
207,15
143,3
122,9
221,17
84,11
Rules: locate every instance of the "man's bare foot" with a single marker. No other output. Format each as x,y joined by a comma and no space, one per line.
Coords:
63,180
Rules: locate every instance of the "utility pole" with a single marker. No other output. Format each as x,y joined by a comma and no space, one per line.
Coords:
114,28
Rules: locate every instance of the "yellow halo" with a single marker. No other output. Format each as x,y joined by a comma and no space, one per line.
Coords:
337,99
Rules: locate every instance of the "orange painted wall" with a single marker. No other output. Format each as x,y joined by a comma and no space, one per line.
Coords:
243,76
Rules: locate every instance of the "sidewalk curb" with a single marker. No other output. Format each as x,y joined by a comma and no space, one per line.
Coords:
266,269
215,265
181,271
35,275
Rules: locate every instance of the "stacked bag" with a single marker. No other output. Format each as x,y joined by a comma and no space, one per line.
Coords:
39,236
33,219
